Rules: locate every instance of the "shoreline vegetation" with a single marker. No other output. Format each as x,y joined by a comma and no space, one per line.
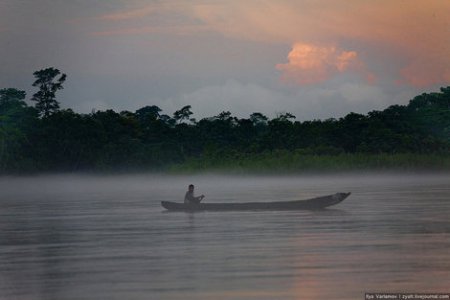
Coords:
42,138
298,163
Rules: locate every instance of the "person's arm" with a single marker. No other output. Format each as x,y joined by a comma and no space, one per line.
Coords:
200,198
189,198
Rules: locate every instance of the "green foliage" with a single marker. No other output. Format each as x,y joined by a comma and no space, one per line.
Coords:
412,136
258,118
148,113
283,161
48,85
183,114
431,113
17,122
11,97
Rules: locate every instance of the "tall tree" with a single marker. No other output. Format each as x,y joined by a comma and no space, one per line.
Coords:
48,86
148,113
183,114
258,118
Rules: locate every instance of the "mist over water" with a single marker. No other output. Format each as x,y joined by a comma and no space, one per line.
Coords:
107,237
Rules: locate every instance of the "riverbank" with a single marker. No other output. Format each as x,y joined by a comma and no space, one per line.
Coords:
276,162
294,162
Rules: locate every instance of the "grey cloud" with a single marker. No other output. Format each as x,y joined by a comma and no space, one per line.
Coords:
305,103
210,71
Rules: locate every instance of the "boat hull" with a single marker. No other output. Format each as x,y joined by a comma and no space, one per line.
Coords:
309,204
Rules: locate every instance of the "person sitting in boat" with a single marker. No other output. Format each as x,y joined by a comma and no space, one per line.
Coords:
189,198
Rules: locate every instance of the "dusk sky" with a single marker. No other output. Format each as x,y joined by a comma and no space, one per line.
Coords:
313,58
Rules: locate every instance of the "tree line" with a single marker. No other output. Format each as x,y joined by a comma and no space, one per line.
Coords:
44,137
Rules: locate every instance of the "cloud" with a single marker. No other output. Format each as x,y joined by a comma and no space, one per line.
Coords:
309,64
172,30
167,18
239,98
307,103
128,14
412,35
411,32
333,100
426,71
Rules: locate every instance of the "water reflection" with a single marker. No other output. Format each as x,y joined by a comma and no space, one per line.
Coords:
105,239
33,248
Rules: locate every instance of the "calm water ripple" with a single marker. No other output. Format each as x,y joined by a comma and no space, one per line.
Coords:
85,237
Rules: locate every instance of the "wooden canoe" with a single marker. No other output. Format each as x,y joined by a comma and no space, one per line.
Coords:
309,204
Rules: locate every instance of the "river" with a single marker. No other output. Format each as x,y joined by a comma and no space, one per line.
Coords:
107,237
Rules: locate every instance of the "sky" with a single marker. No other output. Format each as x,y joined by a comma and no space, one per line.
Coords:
316,59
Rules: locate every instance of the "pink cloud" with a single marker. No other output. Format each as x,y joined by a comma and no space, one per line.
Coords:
174,30
415,34
128,14
412,35
426,71
309,64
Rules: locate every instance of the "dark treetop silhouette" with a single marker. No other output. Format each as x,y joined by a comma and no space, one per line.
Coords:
47,138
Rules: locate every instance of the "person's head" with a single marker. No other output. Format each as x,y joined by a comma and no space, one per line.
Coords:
191,188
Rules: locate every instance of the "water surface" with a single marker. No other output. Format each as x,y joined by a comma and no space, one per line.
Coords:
87,237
